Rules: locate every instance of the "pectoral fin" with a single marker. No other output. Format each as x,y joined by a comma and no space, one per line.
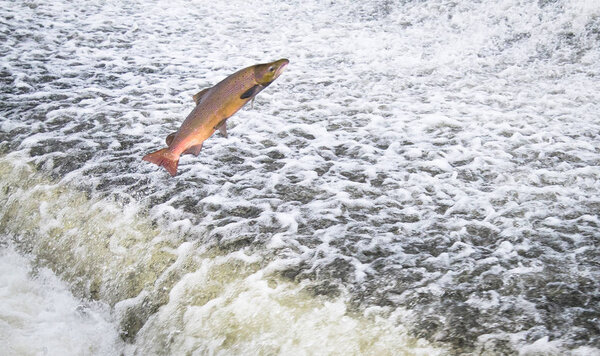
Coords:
222,127
251,92
193,150
198,96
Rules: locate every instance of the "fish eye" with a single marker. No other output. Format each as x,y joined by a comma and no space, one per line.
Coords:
271,68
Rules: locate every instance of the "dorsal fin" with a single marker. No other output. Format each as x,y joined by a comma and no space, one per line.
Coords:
198,96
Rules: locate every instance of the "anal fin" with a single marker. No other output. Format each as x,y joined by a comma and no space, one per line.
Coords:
193,150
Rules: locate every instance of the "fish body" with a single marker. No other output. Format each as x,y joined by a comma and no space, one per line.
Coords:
213,107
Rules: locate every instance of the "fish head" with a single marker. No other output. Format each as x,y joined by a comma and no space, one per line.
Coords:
266,73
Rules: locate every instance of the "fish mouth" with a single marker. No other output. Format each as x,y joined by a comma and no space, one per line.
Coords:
268,72
281,64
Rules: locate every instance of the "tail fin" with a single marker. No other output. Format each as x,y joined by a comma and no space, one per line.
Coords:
165,159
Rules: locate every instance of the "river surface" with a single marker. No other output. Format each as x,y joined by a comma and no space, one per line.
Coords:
423,179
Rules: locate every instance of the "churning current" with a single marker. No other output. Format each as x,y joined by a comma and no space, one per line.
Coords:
423,179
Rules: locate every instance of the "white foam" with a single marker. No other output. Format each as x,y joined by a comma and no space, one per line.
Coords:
261,314
541,346
40,316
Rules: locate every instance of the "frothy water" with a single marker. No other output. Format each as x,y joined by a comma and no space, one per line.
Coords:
39,315
170,296
424,178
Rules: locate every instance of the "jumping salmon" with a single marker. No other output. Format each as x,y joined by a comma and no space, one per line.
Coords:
213,107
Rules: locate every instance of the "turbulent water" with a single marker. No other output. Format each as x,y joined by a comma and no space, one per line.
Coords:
424,178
